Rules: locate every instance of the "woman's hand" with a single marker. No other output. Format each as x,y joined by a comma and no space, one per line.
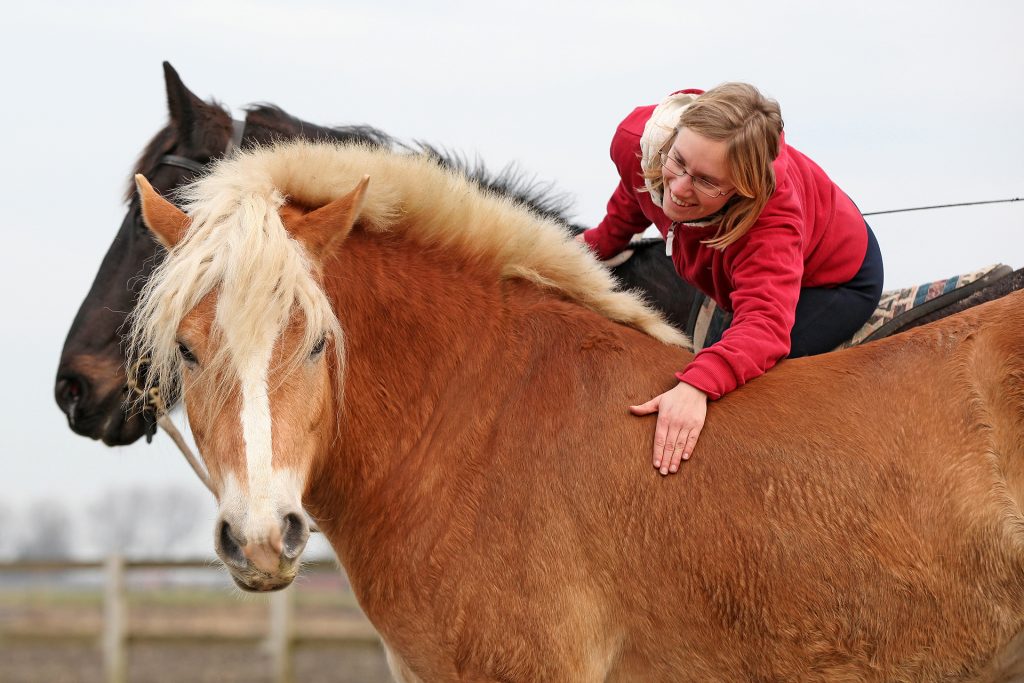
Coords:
681,412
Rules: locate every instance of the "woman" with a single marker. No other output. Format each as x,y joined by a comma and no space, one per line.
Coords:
752,223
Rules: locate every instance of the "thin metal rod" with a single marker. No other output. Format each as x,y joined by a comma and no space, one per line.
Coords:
944,206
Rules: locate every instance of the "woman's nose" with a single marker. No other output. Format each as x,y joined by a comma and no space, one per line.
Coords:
679,183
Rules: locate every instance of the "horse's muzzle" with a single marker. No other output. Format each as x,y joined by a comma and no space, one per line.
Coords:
95,412
265,560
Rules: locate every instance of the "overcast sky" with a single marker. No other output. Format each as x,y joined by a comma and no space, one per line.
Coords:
903,103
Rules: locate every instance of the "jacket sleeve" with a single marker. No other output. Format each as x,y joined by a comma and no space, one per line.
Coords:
624,216
766,273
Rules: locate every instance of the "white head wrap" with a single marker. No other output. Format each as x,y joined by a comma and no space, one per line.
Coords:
657,132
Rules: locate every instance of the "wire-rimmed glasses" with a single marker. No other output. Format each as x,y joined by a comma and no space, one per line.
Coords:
702,185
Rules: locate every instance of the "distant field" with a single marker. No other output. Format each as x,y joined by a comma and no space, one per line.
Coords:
181,633
190,663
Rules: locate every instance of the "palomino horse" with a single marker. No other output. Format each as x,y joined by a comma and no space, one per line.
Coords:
434,374
91,381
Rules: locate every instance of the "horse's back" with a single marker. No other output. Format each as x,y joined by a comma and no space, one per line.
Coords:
844,498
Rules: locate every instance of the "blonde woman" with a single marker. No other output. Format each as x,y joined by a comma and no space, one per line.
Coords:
751,222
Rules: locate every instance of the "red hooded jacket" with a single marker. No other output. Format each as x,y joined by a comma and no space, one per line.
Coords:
810,234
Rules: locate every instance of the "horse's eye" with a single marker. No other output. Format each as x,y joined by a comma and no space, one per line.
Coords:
318,348
186,353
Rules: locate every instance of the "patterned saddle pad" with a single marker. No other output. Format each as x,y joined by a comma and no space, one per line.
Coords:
896,308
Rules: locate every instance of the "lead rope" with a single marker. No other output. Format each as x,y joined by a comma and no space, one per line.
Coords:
153,402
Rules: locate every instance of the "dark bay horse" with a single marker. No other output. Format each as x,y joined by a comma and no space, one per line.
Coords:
434,374
91,384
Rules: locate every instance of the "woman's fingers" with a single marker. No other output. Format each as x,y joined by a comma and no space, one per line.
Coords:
675,440
646,408
691,442
668,441
681,413
680,452
665,441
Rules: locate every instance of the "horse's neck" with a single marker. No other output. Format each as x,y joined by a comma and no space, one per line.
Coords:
418,332
441,353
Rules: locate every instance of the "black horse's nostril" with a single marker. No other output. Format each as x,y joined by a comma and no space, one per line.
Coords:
230,548
69,391
295,533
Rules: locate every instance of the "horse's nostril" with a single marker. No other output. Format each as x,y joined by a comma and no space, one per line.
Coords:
295,533
68,392
68,389
72,389
229,547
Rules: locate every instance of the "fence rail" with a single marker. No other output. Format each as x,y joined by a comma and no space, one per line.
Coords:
279,640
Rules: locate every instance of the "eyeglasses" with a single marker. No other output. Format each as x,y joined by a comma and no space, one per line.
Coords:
702,185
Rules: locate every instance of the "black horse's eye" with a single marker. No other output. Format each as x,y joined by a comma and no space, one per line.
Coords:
186,353
318,348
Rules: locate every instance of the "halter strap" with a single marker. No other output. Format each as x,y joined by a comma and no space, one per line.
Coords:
235,142
181,162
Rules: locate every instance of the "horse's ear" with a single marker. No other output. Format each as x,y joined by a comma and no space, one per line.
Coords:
329,225
184,106
167,222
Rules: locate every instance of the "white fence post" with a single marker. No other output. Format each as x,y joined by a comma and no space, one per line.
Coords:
279,639
114,615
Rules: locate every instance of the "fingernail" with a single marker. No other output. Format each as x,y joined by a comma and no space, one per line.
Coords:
686,456
664,470
674,468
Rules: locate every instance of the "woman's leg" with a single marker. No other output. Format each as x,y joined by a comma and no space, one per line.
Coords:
828,316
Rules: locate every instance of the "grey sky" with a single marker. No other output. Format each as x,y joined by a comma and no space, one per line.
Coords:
903,104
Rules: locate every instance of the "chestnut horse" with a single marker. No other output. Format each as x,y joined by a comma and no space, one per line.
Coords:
437,376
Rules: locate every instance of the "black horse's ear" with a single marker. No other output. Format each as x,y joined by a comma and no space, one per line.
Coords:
204,127
183,104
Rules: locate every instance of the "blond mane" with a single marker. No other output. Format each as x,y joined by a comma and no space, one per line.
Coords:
445,208
410,194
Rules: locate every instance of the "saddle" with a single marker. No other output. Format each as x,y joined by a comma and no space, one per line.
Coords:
896,309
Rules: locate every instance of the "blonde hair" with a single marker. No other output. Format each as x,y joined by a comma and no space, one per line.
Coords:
750,124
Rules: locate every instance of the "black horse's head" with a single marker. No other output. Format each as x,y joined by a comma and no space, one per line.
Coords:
91,385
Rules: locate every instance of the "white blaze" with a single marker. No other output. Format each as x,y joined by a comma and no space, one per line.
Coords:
257,431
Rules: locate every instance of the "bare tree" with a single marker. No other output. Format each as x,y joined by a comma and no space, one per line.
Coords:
7,526
114,520
174,515
145,522
47,532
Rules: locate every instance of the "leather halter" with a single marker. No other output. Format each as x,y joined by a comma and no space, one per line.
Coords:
238,129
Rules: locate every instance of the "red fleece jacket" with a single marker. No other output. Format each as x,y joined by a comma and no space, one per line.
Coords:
809,234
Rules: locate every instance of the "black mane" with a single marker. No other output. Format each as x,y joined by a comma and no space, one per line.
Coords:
268,123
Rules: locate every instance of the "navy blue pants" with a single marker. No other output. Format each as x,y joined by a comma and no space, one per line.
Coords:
828,316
